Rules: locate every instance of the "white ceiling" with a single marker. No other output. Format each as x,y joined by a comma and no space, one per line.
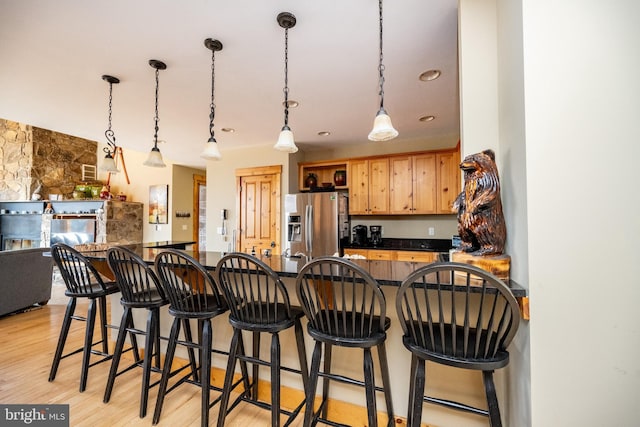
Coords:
53,54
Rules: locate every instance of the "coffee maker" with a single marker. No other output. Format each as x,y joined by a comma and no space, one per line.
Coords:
376,234
360,235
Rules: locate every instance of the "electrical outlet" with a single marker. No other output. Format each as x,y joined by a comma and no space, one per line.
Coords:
185,227
432,231
220,230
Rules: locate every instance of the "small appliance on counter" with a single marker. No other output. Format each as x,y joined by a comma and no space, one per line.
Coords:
359,235
375,232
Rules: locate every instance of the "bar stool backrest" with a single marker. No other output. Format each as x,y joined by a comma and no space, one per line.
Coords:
457,314
255,292
80,277
137,281
341,299
188,285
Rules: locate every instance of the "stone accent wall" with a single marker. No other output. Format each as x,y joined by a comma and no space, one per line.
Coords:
16,148
120,222
30,156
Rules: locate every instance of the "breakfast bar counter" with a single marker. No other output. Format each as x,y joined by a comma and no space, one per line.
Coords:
441,379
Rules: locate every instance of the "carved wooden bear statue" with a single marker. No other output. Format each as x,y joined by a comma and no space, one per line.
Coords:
481,223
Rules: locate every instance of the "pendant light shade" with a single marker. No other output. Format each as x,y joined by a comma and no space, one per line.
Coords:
286,142
109,163
382,128
211,150
155,157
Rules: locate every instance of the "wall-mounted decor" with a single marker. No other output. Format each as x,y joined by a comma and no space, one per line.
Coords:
158,204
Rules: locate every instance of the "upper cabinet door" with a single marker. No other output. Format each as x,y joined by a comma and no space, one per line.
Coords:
379,186
358,177
424,183
401,185
448,180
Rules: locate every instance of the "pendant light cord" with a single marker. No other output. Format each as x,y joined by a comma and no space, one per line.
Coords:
286,77
380,64
155,135
213,105
109,134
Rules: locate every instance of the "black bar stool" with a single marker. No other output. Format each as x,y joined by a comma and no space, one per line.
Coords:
345,307
140,288
192,294
456,315
82,280
260,304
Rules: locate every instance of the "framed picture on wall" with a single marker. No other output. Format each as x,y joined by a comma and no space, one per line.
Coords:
158,204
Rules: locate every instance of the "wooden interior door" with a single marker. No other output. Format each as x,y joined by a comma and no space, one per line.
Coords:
258,195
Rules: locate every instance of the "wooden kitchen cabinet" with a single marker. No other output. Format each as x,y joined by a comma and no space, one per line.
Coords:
406,261
417,183
413,184
377,260
368,186
448,180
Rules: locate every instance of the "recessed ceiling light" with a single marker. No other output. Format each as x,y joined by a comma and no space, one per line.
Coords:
426,118
429,75
291,103
324,133
230,130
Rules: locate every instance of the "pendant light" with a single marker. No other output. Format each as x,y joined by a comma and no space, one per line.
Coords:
155,157
285,140
211,150
109,163
382,128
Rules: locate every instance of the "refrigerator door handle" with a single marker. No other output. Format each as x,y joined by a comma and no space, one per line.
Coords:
309,231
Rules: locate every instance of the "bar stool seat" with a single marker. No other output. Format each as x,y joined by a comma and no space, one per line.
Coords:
140,289
345,307
460,316
260,304
82,280
192,294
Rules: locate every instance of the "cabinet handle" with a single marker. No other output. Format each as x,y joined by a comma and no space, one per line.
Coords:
445,189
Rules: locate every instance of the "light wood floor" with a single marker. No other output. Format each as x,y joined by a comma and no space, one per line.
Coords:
27,344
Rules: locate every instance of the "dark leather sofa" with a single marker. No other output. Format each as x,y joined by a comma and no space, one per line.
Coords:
25,279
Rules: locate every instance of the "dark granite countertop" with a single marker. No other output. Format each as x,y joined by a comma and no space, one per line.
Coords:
286,267
426,245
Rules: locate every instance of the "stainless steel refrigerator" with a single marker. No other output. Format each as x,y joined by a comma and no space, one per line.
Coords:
317,223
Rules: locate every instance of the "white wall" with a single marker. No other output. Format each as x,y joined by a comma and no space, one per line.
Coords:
567,97
582,102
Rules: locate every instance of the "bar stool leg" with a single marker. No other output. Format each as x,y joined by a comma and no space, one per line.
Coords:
302,353
150,339
492,399
88,341
166,371
255,368
313,383
117,352
386,382
102,301
325,381
64,332
236,340
369,386
205,370
416,391
188,336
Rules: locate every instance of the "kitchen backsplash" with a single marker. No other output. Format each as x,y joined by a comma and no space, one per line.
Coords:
411,227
